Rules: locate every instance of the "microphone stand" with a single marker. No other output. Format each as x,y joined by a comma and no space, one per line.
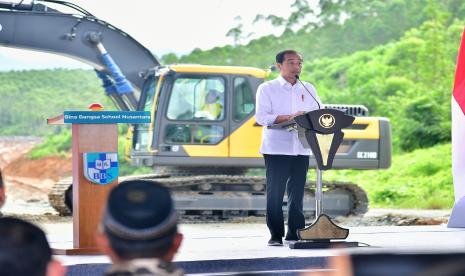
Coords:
319,181
297,77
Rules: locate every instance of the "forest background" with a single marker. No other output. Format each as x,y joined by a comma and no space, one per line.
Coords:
395,57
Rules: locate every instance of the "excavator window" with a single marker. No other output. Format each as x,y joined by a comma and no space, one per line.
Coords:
140,133
149,94
197,99
196,110
244,101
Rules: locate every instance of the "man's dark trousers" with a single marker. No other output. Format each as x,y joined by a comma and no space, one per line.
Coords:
285,173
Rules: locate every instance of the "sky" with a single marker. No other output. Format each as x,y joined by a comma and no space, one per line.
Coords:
177,26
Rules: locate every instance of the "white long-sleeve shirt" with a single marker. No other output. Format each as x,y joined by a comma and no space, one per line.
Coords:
279,97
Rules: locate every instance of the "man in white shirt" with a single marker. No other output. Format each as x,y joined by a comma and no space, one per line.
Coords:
286,160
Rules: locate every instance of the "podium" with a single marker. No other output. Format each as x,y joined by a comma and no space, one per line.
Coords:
320,130
95,169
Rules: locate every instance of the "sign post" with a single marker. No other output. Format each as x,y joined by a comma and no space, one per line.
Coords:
95,169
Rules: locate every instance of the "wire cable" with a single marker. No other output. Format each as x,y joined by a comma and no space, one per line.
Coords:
297,77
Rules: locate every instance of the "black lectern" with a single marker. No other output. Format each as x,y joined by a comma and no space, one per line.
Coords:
320,130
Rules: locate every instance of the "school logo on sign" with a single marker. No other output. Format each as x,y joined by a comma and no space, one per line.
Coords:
101,167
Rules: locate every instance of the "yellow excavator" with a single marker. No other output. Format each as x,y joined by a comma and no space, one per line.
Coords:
203,137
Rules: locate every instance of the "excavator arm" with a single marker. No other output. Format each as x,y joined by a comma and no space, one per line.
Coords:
83,37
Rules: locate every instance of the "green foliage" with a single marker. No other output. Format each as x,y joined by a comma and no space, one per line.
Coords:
424,127
57,145
409,81
30,97
418,179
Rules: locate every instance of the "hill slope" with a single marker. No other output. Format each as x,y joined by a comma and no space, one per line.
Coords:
28,98
418,179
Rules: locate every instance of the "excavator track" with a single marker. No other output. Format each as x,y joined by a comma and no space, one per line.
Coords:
57,196
360,198
255,184
217,197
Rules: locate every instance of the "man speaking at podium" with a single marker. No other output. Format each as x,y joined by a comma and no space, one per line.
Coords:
286,160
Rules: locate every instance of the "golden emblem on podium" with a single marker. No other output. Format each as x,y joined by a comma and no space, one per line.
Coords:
327,120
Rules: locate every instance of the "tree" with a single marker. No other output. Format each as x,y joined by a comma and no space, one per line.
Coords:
237,32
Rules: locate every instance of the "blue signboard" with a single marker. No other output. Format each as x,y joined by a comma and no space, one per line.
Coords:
101,167
106,117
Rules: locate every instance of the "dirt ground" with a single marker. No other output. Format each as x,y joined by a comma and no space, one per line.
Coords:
29,181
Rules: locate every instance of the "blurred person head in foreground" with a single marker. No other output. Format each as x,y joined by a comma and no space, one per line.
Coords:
24,250
2,191
139,230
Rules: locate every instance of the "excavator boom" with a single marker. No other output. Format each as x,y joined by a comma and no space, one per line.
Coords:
75,36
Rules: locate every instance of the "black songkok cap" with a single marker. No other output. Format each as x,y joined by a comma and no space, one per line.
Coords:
139,210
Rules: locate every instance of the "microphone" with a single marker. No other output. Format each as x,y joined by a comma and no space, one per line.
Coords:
297,77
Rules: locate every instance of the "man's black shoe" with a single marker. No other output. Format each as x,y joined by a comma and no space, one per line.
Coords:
291,238
275,242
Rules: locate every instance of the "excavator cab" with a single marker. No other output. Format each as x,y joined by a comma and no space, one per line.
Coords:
201,116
